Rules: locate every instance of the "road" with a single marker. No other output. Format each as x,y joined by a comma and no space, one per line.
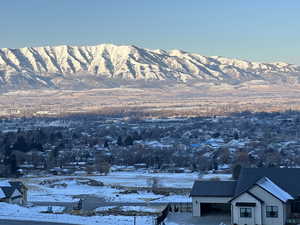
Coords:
16,222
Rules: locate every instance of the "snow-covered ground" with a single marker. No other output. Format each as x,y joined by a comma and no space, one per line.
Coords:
140,209
68,189
174,198
71,188
53,209
14,212
141,179
104,208
216,176
42,193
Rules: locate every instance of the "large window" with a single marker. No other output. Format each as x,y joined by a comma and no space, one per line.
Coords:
272,211
245,212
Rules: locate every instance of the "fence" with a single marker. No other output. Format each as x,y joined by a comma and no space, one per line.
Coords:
173,207
181,207
163,215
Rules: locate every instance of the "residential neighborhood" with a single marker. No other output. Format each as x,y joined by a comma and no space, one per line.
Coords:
74,145
204,170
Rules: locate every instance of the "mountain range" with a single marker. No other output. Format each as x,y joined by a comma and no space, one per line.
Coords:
107,65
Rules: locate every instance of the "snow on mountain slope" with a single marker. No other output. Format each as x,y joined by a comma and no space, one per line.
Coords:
73,67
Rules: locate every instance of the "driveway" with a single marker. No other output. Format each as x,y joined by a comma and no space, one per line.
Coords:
188,219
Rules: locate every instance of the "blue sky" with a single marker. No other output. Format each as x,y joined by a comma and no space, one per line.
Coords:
260,30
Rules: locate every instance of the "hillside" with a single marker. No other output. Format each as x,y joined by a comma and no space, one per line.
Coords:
107,65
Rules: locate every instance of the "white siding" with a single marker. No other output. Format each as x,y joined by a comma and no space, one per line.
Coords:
256,211
270,200
198,200
196,207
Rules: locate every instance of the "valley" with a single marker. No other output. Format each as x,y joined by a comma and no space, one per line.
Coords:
149,102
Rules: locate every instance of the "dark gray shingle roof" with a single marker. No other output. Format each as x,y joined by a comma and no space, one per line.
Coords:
8,191
286,178
213,188
17,184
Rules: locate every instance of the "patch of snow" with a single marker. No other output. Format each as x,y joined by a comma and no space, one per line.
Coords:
2,195
104,208
55,209
236,143
4,183
15,212
174,198
219,176
140,179
139,209
156,144
223,166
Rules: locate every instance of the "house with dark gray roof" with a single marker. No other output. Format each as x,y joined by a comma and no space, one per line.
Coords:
260,196
13,192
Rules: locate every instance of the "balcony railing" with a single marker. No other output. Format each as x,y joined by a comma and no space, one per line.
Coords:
293,220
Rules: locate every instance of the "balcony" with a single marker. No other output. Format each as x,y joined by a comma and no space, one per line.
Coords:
293,219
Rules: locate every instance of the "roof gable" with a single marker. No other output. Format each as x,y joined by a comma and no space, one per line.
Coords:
266,184
17,184
284,178
16,193
247,193
10,192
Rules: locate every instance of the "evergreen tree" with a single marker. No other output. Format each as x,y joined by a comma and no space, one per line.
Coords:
119,141
41,136
128,141
236,136
106,144
13,164
236,171
21,144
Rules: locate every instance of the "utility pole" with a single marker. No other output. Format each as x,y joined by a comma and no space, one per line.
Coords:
134,220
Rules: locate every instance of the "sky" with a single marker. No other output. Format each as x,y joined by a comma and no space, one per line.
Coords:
258,30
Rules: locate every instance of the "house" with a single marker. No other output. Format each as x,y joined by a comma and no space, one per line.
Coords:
13,192
260,196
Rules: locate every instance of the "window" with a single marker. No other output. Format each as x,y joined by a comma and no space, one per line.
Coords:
245,212
272,211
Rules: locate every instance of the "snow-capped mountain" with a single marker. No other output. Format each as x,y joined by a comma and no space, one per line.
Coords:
73,67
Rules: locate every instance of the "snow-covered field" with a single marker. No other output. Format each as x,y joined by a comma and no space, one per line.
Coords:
141,179
139,209
169,101
68,189
60,189
14,212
